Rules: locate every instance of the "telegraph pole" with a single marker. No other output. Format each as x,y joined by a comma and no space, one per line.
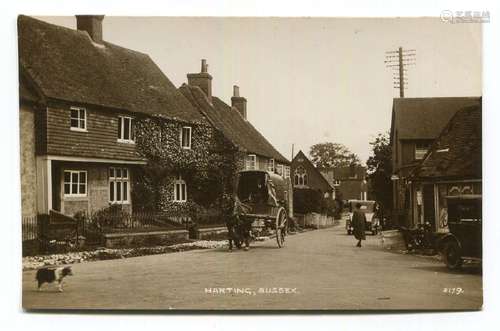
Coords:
398,62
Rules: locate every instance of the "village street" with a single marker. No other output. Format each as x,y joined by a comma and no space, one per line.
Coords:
320,269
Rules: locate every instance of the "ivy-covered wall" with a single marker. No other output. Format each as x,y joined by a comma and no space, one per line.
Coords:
208,168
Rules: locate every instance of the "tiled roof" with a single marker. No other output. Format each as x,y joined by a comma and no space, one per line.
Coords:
457,153
344,173
424,118
238,130
66,64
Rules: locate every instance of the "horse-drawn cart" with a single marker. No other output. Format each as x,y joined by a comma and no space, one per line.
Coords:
261,204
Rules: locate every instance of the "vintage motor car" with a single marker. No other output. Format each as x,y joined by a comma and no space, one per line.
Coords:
464,241
368,208
262,200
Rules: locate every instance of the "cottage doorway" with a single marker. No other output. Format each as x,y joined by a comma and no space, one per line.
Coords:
429,206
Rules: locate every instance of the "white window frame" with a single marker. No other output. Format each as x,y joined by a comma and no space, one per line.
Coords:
179,183
336,182
79,119
251,162
300,179
113,180
121,130
420,152
71,194
271,165
190,130
286,173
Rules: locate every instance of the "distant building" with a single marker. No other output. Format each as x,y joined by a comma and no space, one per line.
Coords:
349,182
306,175
416,123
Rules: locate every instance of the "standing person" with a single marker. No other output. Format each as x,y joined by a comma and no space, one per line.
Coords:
358,223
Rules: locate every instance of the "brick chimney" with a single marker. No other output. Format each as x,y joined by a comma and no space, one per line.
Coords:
238,102
203,80
92,24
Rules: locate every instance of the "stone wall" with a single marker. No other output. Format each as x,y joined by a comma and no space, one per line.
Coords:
114,240
28,161
212,233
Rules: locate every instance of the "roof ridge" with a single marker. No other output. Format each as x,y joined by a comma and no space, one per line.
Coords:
431,98
257,131
80,32
67,65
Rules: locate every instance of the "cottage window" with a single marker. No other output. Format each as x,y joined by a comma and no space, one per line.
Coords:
287,172
279,169
75,183
421,149
186,137
78,120
270,165
119,185
336,182
125,129
180,190
300,176
251,162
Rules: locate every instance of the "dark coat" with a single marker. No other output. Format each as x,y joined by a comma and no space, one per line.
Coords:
358,223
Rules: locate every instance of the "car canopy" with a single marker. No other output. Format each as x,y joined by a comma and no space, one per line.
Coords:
367,206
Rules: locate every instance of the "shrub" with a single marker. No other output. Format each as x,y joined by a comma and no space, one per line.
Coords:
307,201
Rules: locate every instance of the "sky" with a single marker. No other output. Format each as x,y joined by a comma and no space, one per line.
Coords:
309,80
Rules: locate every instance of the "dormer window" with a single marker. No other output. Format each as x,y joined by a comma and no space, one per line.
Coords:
421,149
186,137
125,129
78,120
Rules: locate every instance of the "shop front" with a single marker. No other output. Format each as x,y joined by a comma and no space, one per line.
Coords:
430,203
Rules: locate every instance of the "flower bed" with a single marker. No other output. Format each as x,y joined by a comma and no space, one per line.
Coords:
35,262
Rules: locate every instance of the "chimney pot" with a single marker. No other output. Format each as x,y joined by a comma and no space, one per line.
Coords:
202,79
92,24
204,66
236,91
238,102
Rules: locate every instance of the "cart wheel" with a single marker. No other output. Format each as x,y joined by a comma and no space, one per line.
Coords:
451,254
281,228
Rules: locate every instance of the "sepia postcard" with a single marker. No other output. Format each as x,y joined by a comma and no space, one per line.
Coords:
260,164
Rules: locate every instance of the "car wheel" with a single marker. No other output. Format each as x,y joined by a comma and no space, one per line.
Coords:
452,256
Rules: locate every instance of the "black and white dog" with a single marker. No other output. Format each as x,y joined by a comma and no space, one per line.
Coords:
49,275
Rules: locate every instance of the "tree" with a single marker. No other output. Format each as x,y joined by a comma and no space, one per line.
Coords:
327,155
379,168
